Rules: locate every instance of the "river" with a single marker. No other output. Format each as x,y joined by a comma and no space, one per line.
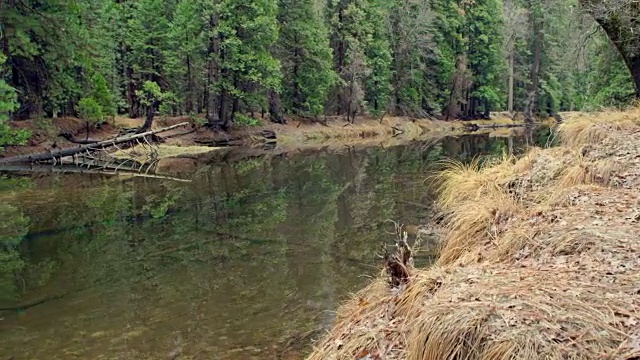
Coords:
249,259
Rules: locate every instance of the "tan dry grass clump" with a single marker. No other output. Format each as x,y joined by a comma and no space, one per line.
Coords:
585,129
541,260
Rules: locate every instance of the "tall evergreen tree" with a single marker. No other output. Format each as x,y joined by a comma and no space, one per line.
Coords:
378,55
306,58
184,63
146,39
414,66
486,61
361,55
240,34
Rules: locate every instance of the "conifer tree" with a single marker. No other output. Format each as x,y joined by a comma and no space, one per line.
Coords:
240,34
306,58
184,56
378,55
146,41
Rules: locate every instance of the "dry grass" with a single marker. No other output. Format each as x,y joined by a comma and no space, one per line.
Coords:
459,183
583,129
584,171
540,260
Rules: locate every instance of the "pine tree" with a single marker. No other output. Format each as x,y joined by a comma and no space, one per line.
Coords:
306,58
347,40
146,43
414,59
184,56
361,55
100,92
241,68
378,52
451,60
486,61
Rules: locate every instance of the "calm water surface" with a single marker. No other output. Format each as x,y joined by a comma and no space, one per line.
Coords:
248,260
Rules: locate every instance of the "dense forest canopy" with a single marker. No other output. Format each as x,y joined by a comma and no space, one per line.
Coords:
229,59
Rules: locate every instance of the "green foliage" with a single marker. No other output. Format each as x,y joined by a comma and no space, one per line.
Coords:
306,57
150,93
169,103
344,56
378,81
244,120
361,54
100,92
486,58
90,111
8,103
13,228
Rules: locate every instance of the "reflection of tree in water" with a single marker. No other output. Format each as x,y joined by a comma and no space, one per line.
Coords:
466,147
255,248
13,228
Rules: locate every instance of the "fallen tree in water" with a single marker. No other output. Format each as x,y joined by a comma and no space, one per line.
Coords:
57,155
541,260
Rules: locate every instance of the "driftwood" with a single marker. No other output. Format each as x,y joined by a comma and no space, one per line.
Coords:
65,169
476,127
56,155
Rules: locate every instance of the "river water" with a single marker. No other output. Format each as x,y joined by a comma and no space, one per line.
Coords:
247,260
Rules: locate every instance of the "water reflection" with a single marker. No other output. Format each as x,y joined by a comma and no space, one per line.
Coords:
248,256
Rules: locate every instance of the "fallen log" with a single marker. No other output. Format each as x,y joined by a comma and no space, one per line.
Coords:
67,169
476,127
100,145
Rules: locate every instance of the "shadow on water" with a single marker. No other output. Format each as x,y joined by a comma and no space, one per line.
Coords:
248,256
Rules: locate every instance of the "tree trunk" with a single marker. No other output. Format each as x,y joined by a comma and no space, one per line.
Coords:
213,73
535,68
487,110
510,99
189,102
131,94
235,104
455,97
148,121
618,33
340,59
275,108
634,65
297,92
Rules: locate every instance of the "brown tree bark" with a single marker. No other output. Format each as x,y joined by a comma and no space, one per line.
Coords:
635,73
511,78
148,121
213,75
532,88
275,108
620,24
189,97
456,94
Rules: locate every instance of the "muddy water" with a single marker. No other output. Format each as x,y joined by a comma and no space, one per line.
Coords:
247,260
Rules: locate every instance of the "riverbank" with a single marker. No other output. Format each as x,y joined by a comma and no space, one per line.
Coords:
540,260
295,134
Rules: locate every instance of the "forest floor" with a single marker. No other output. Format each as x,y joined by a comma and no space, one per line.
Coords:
336,132
539,259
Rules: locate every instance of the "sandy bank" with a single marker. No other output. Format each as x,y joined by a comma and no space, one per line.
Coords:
541,260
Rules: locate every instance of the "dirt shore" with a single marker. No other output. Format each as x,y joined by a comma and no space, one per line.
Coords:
540,260
295,134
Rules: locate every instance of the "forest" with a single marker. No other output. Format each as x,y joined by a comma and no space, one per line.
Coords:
230,61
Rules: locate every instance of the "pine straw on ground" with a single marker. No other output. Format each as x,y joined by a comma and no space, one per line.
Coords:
541,260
